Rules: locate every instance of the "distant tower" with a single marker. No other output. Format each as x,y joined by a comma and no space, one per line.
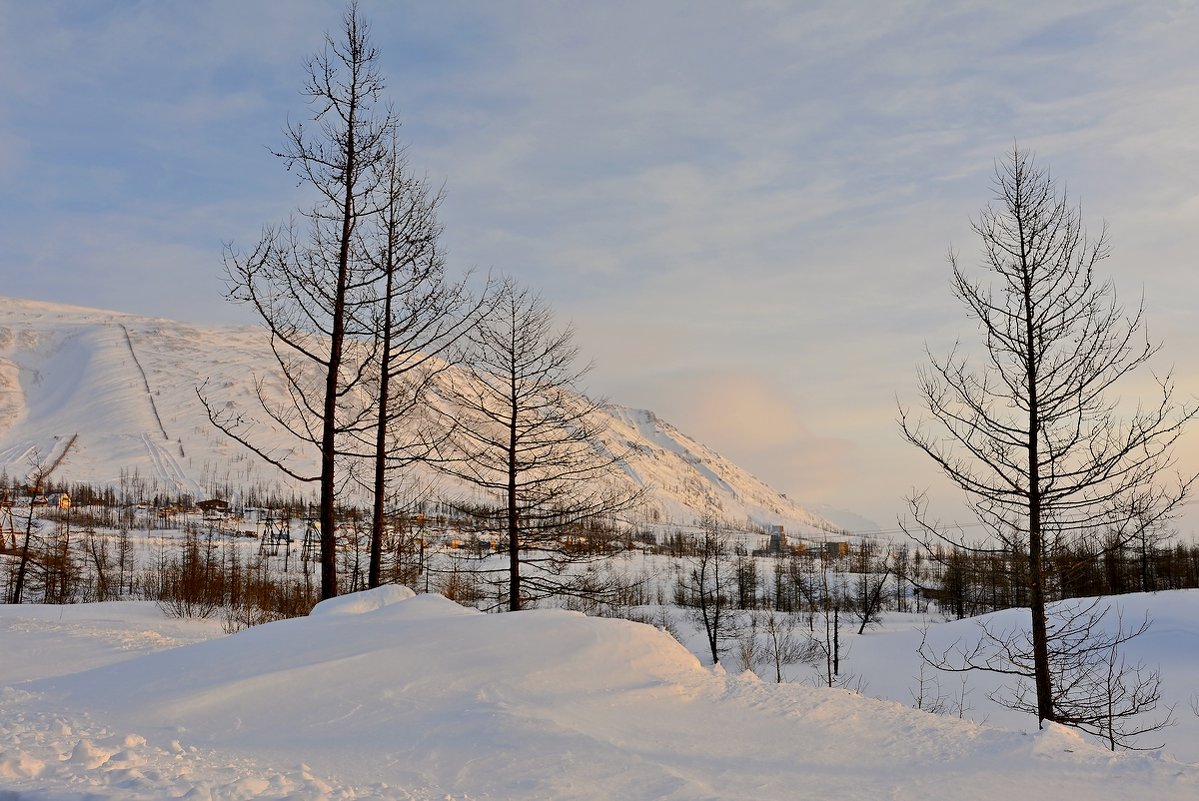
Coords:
778,539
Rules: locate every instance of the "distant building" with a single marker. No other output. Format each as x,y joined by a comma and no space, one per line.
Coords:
778,540
214,506
833,550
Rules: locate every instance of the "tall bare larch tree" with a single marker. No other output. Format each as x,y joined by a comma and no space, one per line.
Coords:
1029,426
302,278
420,315
525,435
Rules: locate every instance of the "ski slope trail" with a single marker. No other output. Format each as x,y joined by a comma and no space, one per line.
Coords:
167,469
76,400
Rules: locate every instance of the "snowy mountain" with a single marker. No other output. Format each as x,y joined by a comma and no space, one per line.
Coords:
111,396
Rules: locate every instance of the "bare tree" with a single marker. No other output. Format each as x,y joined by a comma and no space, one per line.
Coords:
826,599
305,284
35,485
930,696
532,443
749,647
708,586
1147,535
1098,690
421,314
1031,431
783,643
1118,694
872,576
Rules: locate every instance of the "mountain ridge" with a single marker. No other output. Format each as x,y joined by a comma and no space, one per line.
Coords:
121,389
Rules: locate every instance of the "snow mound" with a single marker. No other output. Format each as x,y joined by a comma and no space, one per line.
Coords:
1056,739
359,603
389,695
889,659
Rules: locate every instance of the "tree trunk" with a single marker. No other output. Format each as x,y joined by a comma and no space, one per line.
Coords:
19,586
513,518
1036,547
374,571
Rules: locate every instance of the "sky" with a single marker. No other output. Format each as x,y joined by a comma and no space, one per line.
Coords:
745,209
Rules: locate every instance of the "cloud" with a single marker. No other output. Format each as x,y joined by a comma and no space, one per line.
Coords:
742,207
753,420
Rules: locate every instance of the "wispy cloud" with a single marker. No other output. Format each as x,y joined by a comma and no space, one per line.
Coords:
736,193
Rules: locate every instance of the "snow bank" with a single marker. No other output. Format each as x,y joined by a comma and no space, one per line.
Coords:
361,602
38,642
389,696
888,662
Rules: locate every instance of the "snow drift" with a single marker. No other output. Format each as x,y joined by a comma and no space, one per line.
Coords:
386,696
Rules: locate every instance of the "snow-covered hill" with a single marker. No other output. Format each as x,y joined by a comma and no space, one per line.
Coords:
114,395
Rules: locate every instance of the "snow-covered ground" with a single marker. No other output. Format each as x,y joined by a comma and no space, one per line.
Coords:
885,659
383,695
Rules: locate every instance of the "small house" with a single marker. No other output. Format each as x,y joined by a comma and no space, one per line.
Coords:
214,507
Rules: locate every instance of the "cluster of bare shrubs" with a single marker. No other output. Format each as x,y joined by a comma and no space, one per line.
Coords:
203,576
248,592
65,565
197,575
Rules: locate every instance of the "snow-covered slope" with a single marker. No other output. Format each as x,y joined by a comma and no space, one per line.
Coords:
115,394
1171,646
386,696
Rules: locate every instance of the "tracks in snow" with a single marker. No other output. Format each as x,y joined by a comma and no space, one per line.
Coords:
167,468
32,455
18,453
